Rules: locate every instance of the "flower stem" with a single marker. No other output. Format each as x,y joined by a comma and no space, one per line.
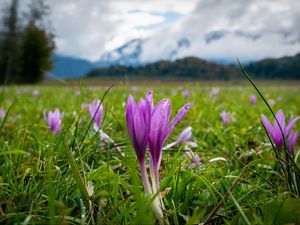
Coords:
157,203
144,176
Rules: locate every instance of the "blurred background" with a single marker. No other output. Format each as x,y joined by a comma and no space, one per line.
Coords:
171,40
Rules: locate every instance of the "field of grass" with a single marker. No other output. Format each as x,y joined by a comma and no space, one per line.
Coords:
74,177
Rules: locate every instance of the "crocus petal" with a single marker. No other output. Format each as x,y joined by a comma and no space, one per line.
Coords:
149,96
142,125
145,110
281,119
138,123
291,124
180,115
192,144
168,146
268,126
96,112
56,121
291,142
131,113
185,135
158,128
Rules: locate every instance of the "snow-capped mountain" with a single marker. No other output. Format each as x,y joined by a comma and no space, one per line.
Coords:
131,53
126,55
181,44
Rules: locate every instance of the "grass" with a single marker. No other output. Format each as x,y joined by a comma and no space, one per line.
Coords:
74,178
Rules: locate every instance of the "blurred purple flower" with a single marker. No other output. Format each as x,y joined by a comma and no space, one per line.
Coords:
253,99
225,116
194,158
275,132
214,92
271,102
184,137
291,141
135,88
83,105
35,93
279,99
77,93
53,120
186,94
96,113
174,92
2,113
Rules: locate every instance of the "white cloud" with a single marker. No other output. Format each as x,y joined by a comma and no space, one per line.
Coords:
89,28
82,27
180,6
249,30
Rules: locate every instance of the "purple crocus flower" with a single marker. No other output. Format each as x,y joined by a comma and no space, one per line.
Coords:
96,113
214,92
35,93
184,137
173,92
149,124
135,88
279,99
271,102
186,94
195,159
275,132
225,116
2,113
253,99
53,120
84,105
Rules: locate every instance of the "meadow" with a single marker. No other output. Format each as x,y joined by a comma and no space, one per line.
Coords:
232,175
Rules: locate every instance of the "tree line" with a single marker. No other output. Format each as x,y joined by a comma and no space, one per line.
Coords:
192,68
26,43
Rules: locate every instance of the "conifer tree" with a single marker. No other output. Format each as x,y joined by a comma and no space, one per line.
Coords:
37,45
9,44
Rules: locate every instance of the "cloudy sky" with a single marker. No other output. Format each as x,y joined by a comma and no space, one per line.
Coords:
215,29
